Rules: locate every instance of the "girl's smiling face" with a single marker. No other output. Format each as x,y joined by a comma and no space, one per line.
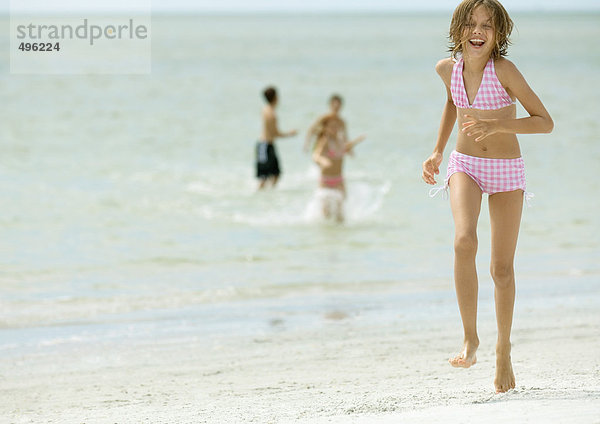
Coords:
479,34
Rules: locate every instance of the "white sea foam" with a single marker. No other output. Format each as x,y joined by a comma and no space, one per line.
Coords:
361,203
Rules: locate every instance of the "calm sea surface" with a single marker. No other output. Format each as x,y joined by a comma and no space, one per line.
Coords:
128,204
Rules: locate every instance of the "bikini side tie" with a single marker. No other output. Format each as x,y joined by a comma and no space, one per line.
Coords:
528,198
436,190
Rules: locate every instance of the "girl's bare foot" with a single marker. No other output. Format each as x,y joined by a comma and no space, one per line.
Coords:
467,356
505,378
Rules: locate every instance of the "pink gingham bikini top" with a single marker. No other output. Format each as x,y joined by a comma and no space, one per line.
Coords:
491,94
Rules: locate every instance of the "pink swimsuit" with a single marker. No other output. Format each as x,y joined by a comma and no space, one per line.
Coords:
336,153
491,175
491,94
332,181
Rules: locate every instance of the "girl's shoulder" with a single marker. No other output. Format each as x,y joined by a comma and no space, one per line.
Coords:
444,66
324,119
444,69
505,69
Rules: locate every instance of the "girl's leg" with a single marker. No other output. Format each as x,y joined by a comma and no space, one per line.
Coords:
465,200
340,203
505,219
326,207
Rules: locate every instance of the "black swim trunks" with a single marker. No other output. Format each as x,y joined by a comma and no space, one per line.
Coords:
267,164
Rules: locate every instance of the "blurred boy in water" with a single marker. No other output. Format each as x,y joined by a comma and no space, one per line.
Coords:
267,163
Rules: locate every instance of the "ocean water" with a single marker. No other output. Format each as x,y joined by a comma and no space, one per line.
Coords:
129,207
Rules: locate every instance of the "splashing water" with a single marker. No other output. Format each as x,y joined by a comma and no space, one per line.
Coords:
363,200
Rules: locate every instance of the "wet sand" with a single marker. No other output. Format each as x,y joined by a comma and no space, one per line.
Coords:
345,370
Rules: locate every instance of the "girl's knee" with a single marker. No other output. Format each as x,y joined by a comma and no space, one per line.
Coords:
465,244
503,274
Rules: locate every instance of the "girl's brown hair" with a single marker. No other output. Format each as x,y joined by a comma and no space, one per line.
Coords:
503,26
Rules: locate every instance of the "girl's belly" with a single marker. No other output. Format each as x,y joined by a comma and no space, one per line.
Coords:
333,170
498,145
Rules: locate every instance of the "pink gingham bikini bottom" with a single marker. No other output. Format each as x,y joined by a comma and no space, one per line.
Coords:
491,175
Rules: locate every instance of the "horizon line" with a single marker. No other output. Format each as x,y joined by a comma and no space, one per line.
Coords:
242,12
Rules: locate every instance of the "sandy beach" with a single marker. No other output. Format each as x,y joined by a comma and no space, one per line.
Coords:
346,368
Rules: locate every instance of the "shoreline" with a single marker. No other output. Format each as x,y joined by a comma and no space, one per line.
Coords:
349,368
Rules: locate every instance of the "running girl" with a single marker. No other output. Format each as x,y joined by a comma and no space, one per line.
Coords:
481,88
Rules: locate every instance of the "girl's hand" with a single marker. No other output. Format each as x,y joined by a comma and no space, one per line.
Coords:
322,161
349,146
431,167
359,139
479,128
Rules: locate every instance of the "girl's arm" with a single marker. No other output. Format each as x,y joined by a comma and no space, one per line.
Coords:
431,166
322,161
538,121
350,144
446,125
312,131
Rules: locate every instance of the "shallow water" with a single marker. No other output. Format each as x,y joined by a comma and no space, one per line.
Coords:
129,204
